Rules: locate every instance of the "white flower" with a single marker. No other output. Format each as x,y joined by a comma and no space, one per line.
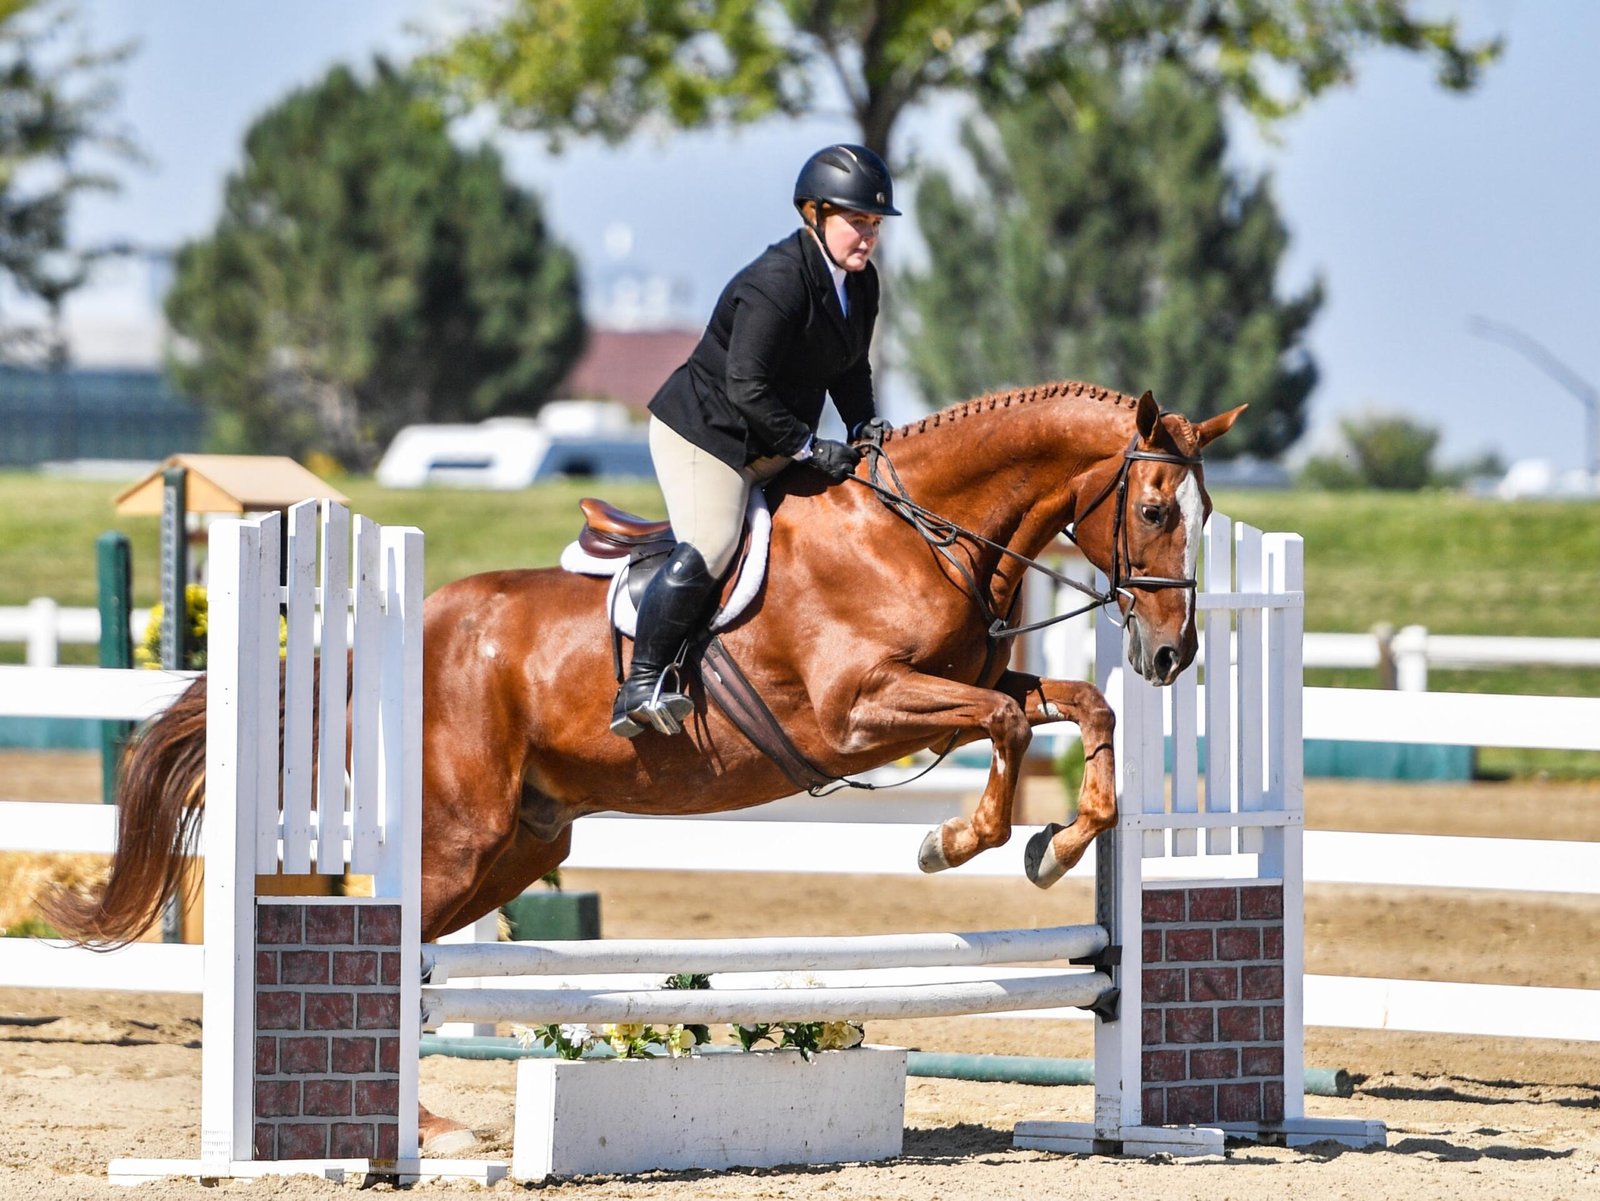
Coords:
576,1032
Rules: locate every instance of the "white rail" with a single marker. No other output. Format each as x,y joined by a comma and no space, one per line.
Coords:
942,999
453,960
89,692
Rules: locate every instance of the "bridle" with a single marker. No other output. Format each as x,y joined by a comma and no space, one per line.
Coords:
942,534
1121,556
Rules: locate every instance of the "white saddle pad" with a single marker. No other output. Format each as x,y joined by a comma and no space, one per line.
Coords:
751,572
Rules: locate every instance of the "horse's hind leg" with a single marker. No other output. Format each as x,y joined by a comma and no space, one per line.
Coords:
1056,849
526,860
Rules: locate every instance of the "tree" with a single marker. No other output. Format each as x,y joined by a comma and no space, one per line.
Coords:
56,100
366,273
1385,451
1120,249
604,67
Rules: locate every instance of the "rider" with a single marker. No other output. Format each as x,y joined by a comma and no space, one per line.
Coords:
793,324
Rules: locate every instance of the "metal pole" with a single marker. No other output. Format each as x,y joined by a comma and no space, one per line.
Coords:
174,568
174,619
1585,392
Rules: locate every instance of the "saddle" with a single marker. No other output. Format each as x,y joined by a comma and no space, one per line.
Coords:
630,549
612,533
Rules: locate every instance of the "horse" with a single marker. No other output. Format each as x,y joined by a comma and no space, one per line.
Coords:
878,632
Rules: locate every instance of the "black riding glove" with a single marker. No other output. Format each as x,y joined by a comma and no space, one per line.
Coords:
834,459
871,430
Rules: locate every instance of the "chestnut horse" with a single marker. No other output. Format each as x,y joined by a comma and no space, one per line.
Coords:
870,641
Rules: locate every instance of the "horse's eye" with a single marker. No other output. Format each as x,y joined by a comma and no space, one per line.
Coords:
1154,514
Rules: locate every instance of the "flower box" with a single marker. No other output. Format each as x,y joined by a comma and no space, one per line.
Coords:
711,1111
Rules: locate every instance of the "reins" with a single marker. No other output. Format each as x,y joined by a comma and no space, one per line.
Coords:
941,534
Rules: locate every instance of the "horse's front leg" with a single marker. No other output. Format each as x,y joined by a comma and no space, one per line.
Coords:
904,704
1056,849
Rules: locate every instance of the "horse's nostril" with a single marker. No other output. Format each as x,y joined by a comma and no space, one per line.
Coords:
1166,662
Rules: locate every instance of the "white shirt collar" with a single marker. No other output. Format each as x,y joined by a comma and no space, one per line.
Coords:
838,274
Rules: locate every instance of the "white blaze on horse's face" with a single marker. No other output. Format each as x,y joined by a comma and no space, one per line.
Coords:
1192,506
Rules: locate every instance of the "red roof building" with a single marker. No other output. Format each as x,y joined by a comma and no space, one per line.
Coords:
627,365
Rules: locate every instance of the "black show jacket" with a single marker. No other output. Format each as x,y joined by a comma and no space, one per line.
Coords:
776,342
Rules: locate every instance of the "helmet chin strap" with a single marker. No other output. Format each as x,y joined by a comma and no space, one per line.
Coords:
815,226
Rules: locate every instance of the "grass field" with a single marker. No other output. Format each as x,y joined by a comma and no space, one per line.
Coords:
1454,564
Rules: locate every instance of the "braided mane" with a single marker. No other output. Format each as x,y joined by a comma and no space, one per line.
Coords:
1015,398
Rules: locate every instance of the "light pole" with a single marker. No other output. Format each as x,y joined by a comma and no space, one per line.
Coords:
1588,396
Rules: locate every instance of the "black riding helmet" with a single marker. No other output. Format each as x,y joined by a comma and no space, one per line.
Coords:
847,177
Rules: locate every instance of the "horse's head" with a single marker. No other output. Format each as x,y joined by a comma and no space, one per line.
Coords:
1144,534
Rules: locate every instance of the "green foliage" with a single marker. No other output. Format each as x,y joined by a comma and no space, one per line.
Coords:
1456,564
197,610
567,1041
31,926
806,1037
367,273
56,99
1121,250
1382,451
601,67
606,67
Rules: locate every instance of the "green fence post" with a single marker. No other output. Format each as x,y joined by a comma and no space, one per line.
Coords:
114,567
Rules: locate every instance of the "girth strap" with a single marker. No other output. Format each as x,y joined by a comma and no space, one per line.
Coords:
737,697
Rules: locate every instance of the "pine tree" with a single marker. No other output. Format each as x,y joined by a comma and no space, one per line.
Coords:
59,138
367,273
1116,245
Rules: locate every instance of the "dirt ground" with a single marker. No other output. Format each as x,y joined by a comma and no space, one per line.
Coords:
86,1077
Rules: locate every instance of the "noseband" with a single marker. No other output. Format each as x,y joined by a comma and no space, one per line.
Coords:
942,534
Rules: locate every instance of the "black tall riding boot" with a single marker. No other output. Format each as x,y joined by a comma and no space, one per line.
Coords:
668,614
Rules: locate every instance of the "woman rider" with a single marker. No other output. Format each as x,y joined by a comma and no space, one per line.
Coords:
793,324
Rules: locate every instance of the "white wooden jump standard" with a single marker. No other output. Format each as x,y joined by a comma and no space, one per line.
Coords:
377,825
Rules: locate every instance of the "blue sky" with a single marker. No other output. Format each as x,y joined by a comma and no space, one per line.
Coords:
1418,209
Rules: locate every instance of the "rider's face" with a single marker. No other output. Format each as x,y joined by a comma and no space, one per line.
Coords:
851,237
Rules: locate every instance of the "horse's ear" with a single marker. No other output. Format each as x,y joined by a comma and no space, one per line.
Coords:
1148,416
1213,428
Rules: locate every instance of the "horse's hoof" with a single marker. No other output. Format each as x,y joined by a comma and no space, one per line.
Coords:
1039,862
448,1138
930,857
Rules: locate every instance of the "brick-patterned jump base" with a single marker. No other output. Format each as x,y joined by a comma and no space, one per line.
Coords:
1213,1004
327,1052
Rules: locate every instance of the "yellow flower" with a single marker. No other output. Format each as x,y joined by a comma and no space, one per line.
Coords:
837,1036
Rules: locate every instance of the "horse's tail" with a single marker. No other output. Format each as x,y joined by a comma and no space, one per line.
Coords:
161,789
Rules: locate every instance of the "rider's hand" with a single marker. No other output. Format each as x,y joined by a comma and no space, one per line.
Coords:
834,459
871,430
